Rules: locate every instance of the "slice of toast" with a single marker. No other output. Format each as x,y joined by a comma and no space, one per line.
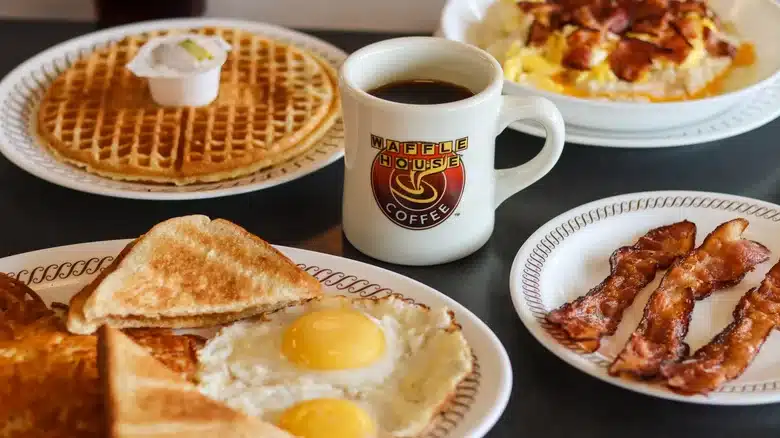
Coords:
143,398
190,271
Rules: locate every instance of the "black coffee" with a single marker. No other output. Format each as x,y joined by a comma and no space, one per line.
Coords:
421,92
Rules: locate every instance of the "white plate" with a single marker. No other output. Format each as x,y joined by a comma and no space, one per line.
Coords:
21,91
58,273
755,20
568,255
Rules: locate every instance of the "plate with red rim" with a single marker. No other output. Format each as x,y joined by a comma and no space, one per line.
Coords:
56,274
579,244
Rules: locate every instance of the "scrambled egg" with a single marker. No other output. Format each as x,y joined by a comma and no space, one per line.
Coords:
543,68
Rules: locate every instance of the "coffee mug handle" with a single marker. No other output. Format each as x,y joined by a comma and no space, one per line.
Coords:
539,109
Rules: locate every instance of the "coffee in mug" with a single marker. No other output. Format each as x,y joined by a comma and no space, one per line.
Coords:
421,115
422,92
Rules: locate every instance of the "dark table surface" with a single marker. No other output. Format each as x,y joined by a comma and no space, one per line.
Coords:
549,398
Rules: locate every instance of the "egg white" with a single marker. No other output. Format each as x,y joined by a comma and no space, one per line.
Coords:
425,357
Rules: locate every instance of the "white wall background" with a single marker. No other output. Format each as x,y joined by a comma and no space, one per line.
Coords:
378,15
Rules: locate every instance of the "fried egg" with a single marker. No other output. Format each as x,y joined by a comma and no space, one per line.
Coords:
339,366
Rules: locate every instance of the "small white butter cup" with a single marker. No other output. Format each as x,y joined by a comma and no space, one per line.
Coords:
195,90
169,86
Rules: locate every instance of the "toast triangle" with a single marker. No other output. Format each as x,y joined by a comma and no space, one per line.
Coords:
144,399
190,271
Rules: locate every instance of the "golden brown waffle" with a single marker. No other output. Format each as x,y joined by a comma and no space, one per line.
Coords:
275,102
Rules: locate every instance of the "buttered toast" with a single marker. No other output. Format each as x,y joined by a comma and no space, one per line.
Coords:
190,271
143,398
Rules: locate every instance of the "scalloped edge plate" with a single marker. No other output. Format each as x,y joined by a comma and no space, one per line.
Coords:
579,243
58,273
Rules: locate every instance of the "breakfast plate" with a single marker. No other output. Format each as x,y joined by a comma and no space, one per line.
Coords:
58,273
580,242
22,91
463,20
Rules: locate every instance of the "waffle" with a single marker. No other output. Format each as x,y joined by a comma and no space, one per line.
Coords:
275,101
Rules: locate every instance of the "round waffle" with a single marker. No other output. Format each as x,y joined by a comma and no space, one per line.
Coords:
275,101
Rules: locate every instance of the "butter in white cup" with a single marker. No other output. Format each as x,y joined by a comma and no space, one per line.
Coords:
182,69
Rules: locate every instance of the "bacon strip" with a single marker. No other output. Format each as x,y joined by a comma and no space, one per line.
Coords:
598,313
730,352
721,261
21,307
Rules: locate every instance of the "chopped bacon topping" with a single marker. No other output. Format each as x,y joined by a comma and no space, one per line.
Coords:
616,20
655,26
667,22
538,34
612,19
687,26
648,8
585,18
682,7
581,44
632,59
716,46
676,47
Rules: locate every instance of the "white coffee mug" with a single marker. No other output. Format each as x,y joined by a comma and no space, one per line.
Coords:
420,186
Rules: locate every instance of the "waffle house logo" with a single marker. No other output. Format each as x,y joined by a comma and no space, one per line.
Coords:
417,184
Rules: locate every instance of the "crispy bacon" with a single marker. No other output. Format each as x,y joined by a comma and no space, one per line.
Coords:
22,311
729,353
669,23
682,7
538,34
616,20
597,314
721,261
613,19
632,58
716,46
687,27
584,17
648,8
581,44
675,47
655,25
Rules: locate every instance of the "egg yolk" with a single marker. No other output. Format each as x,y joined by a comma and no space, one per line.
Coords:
327,418
333,339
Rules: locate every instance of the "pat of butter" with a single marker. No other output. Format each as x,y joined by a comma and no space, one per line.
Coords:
182,69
